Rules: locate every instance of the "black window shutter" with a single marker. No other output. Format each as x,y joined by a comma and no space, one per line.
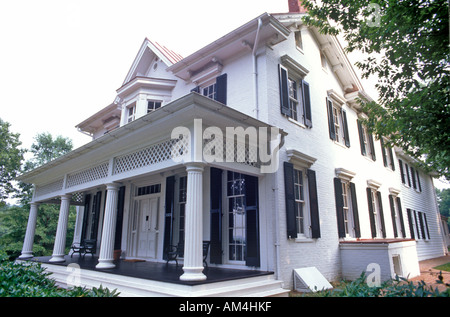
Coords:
426,225
346,134
413,176
392,158
402,174
290,200
313,204
361,137
221,83
410,221
355,211
252,221
339,207
307,104
380,204
417,223
422,226
394,224
383,152
407,174
284,90
87,201
215,254
373,227
372,147
119,221
418,180
96,209
402,223
329,104
169,209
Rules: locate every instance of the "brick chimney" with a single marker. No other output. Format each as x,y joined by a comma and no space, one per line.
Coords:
295,6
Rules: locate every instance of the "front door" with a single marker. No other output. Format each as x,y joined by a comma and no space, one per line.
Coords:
147,235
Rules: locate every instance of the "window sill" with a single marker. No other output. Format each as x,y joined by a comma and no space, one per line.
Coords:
389,169
340,144
304,240
368,158
301,125
300,49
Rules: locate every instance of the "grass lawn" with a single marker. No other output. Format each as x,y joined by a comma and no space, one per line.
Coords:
443,267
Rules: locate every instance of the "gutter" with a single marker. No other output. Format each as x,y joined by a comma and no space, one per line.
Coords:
255,71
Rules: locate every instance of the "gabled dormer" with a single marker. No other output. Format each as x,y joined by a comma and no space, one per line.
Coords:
148,85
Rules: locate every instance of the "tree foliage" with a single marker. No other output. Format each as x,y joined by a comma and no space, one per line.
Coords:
443,197
14,219
406,44
11,156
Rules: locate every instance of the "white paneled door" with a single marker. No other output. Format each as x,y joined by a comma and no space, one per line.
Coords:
148,227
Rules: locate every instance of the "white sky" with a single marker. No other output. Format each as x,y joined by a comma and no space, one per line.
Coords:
62,60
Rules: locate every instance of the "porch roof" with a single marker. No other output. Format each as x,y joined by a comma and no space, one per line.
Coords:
175,113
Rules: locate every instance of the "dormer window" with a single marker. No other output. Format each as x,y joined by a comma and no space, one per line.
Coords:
153,105
131,113
210,91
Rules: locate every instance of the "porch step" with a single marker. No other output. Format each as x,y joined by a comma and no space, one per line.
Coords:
260,286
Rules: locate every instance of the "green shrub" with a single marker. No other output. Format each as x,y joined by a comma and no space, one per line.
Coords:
30,280
398,287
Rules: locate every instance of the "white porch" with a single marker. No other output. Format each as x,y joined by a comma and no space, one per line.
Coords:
151,279
127,185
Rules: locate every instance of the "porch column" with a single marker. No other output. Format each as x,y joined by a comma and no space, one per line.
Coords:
61,230
27,249
193,246
106,257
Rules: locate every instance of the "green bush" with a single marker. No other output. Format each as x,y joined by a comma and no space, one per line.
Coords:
398,287
30,280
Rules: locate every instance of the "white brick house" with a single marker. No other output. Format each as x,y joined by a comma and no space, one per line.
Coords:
338,201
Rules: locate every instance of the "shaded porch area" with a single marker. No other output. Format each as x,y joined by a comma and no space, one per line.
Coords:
155,279
155,271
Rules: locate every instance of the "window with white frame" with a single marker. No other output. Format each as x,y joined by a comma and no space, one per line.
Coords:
388,156
337,122
153,105
302,210
366,141
346,205
299,191
210,91
376,213
298,39
295,99
347,209
296,110
131,113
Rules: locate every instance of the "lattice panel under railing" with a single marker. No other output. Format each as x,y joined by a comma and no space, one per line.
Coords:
237,152
151,155
49,188
88,175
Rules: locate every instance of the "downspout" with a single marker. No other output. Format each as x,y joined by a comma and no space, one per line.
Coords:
277,217
255,71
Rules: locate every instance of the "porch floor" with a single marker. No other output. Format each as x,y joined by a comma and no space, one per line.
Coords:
155,271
